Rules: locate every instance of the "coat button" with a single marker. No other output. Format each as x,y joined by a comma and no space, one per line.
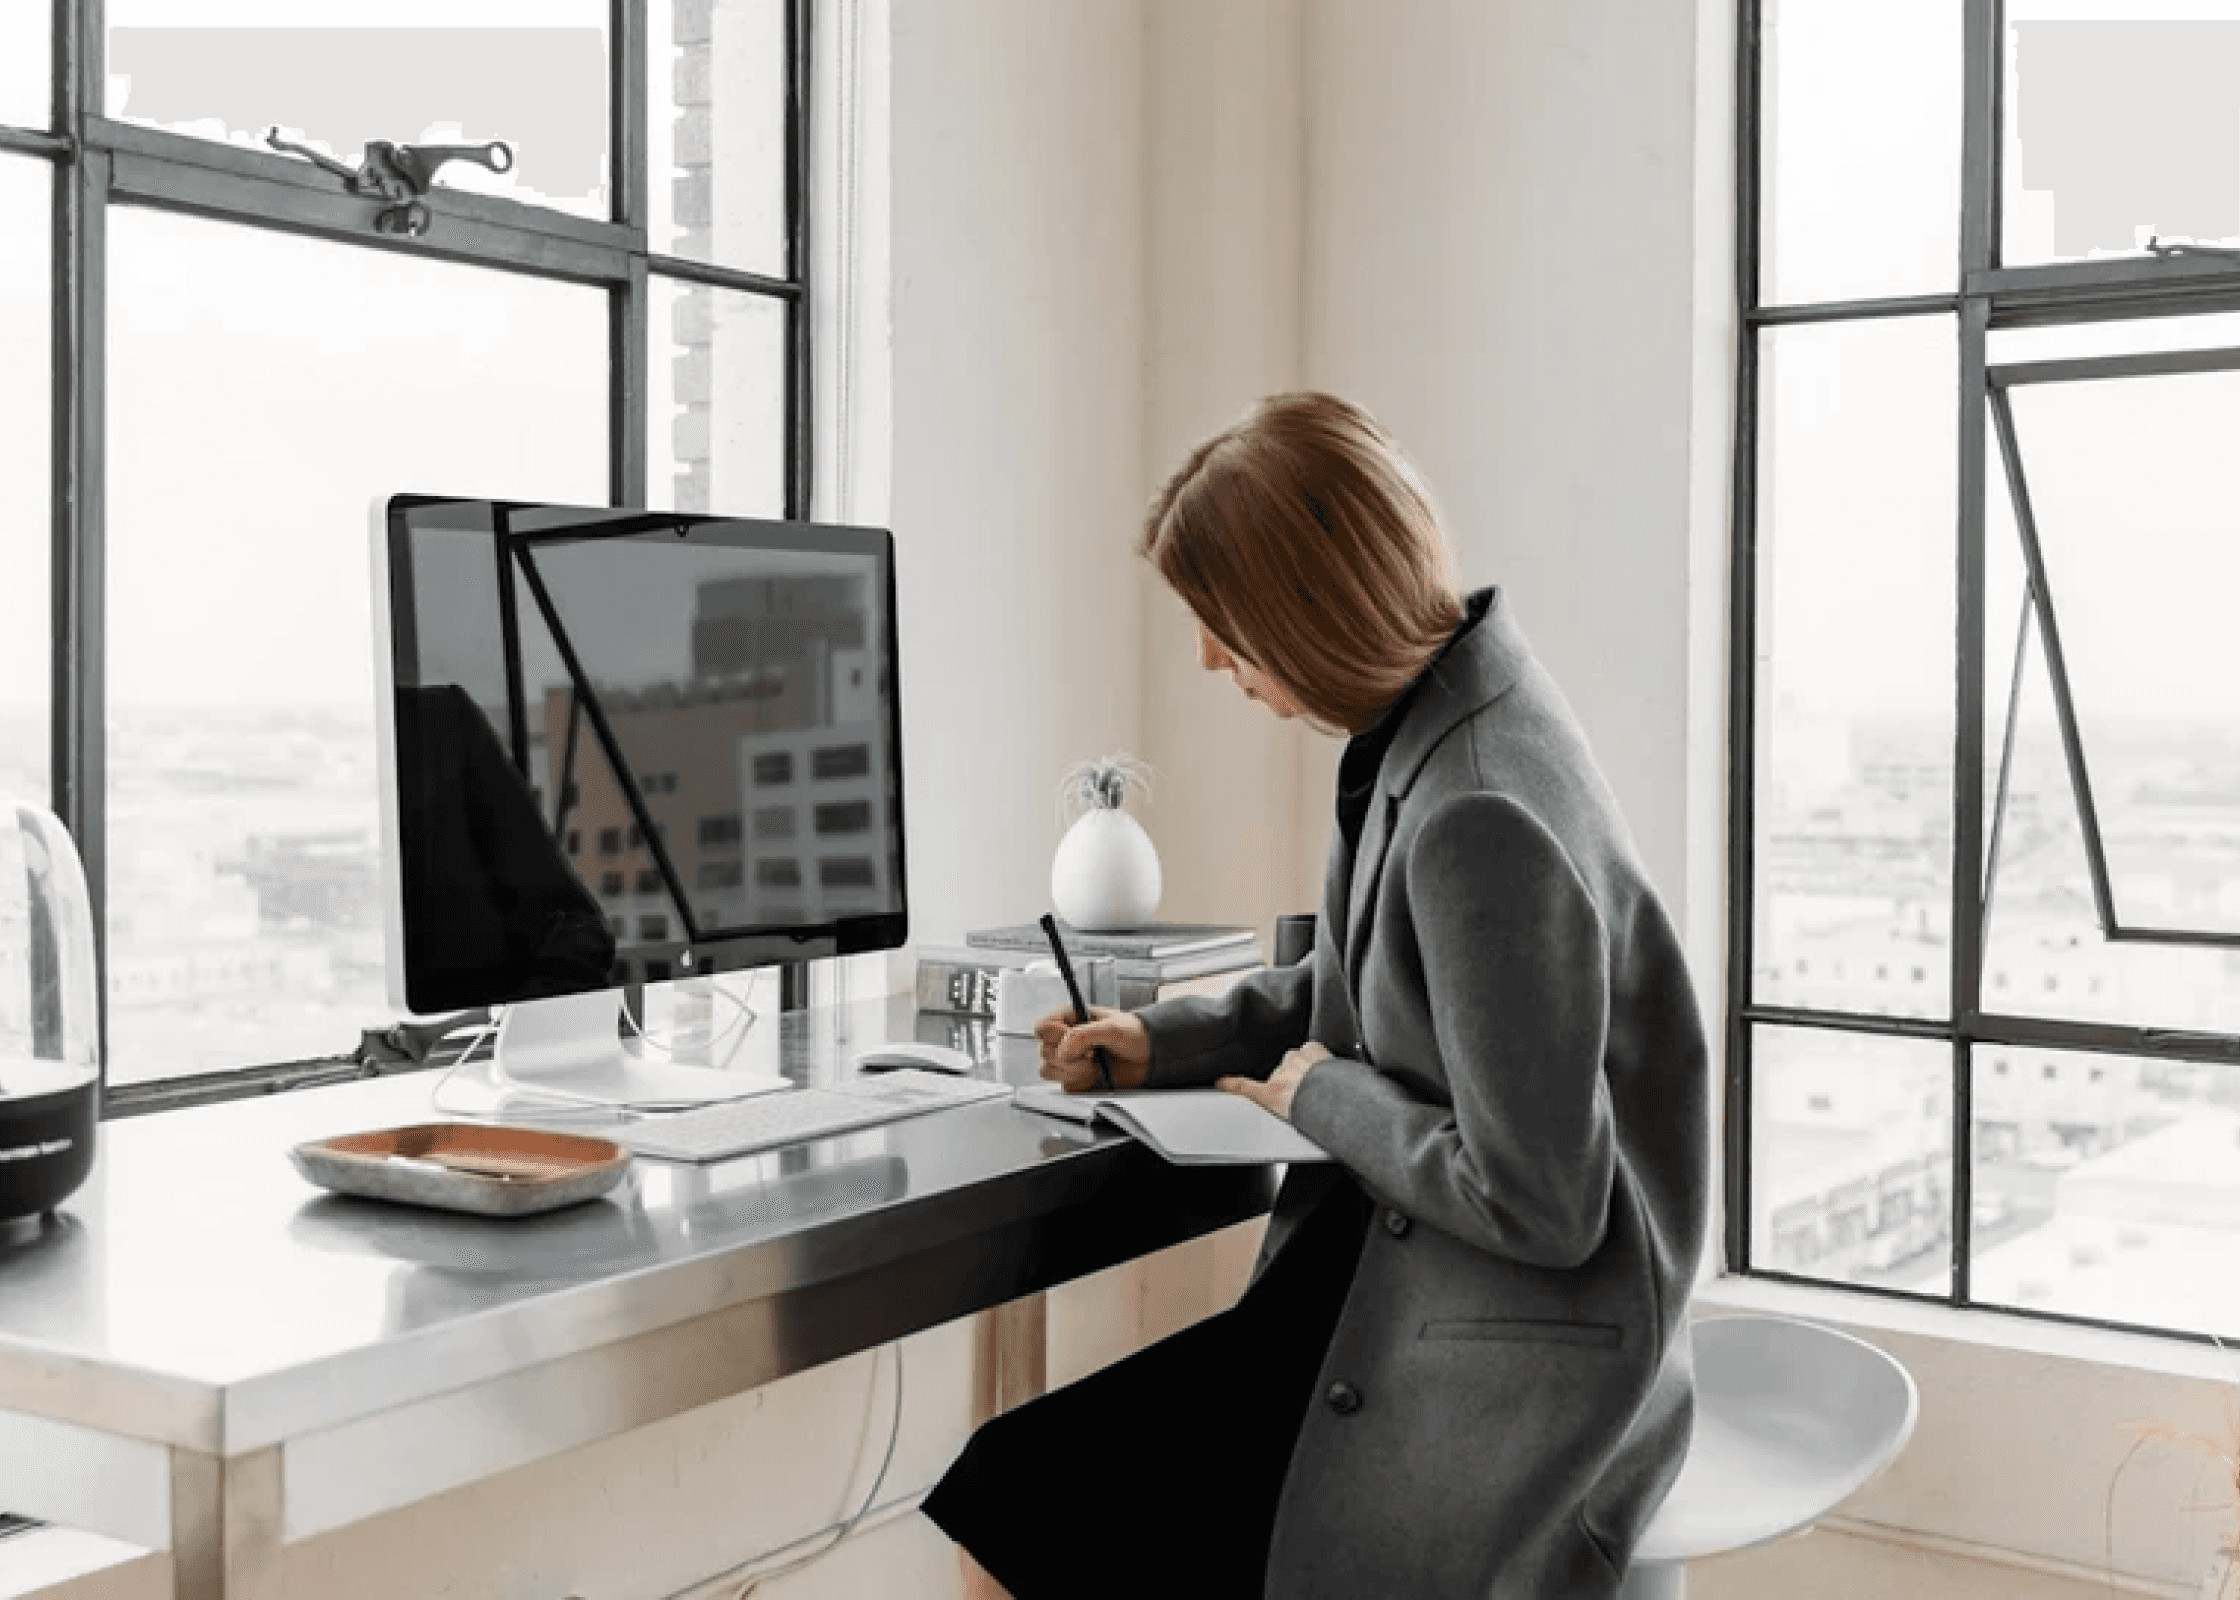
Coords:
1343,1398
1396,1224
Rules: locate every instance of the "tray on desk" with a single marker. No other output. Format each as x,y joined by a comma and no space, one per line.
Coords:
490,1169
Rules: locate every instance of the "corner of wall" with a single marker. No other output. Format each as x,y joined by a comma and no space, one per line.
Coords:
1223,210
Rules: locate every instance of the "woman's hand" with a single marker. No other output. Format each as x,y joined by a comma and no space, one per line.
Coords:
1283,1084
1068,1049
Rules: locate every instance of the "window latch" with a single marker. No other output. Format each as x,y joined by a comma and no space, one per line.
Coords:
398,173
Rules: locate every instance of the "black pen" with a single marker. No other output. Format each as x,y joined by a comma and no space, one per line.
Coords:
1080,1006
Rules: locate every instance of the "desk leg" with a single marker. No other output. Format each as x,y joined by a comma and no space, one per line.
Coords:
1010,1356
225,1526
1010,1364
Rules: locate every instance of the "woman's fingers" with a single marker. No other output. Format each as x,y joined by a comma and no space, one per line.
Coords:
1069,1048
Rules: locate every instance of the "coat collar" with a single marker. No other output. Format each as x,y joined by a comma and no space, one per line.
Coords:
1475,671
1481,667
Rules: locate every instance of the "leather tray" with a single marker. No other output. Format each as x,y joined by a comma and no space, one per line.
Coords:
489,1169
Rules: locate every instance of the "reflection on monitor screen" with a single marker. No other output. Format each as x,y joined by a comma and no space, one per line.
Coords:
634,746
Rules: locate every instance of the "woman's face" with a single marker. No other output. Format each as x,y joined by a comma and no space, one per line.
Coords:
1257,685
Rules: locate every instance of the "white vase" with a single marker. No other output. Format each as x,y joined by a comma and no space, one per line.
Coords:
1105,876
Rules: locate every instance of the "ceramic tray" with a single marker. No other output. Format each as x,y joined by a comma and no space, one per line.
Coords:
490,1169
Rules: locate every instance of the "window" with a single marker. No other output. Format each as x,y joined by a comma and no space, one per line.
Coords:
718,875
620,318
841,761
773,767
653,927
773,822
846,816
26,403
649,880
1985,569
720,830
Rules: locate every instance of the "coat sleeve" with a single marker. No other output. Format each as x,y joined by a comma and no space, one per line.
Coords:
1516,970
1244,1030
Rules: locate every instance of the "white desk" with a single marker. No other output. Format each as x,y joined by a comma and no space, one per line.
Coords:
213,1358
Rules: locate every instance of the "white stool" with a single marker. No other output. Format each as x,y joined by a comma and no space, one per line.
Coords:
1791,1418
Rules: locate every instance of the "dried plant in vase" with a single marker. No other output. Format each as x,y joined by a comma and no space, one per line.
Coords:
1105,875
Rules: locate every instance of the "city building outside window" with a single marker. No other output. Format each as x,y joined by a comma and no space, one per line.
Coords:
212,363
1987,691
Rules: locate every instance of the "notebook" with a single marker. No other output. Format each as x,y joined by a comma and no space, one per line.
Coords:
1190,1127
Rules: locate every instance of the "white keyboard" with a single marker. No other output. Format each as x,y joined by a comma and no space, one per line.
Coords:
788,1116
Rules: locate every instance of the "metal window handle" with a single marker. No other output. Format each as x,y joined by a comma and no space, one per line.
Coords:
318,158
406,171
2162,250
398,173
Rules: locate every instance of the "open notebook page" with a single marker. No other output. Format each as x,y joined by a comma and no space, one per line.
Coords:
1190,1127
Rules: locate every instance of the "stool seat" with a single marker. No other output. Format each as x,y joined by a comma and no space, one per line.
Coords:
1791,1419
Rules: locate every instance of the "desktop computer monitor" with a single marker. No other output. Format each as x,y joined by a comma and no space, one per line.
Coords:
626,746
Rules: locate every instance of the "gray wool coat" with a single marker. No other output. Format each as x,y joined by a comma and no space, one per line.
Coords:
1519,1081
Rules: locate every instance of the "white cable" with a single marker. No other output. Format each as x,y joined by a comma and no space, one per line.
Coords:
835,1534
736,1033
548,1101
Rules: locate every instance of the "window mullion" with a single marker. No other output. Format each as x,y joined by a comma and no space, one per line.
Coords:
79,750
632,103
2106,1038
1980,137
26,141
793,976
800,368
720,277
1983,26
630,372
1742,714
1967,771
80,63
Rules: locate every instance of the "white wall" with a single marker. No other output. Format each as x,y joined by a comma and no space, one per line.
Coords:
1500,265
1486,222
1240,826
1019,405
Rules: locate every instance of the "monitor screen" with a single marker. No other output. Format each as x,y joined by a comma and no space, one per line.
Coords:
625,746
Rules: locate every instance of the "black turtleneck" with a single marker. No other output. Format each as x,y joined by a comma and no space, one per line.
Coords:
1357,768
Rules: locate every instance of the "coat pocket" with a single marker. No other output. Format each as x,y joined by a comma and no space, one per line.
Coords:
1525,1330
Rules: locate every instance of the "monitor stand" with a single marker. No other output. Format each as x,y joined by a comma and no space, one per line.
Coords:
571,1047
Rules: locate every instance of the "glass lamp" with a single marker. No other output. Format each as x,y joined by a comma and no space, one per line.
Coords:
50,1051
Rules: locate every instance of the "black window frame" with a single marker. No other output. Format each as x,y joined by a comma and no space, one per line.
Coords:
100,162
1987,296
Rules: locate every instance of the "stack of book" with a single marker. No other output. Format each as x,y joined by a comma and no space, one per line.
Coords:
1156,962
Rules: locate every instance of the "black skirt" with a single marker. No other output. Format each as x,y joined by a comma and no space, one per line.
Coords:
1160,1474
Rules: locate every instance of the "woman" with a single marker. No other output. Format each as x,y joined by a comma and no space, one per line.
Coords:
1459,1369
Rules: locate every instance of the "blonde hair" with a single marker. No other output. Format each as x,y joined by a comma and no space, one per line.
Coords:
1303,540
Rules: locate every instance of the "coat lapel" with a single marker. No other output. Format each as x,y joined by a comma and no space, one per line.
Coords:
1368,868
1478,670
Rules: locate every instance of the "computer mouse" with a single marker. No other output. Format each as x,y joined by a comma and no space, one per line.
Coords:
909,1053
